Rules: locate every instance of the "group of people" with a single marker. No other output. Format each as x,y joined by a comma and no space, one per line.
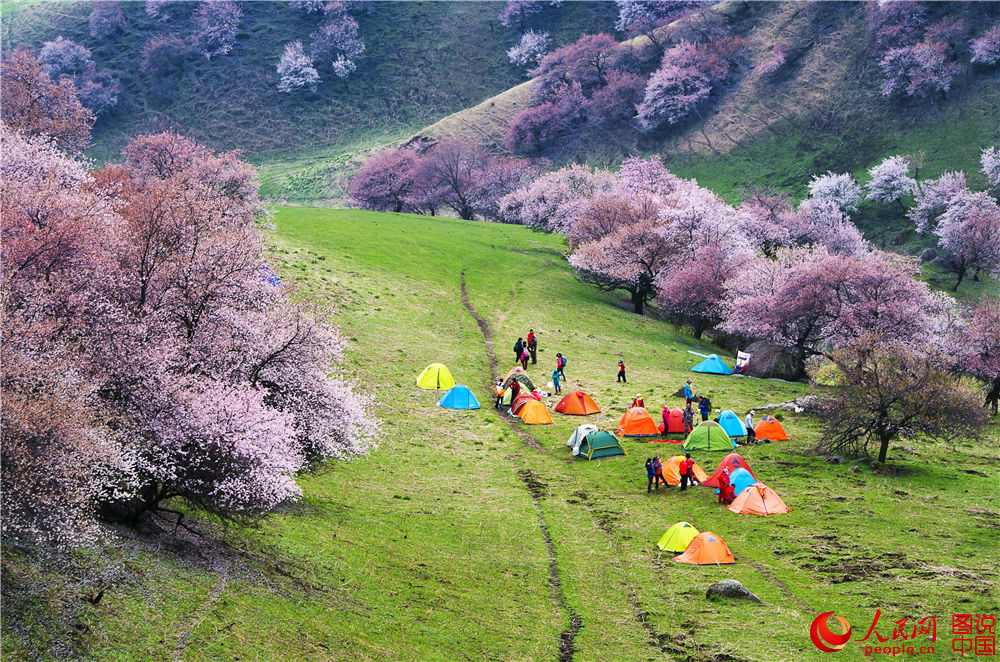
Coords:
525,350
654,473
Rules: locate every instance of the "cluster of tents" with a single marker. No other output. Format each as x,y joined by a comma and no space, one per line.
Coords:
706,436
437,377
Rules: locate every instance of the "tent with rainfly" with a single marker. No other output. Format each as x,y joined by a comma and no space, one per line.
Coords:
675,422
577,403
732,461
758,499
636,422
732,424
712,365
677,537
435,377
459,397
534,412
741,479
706,548
600,444
517,373
709,436
770,429
579,434
672,470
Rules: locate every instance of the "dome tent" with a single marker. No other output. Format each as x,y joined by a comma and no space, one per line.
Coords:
579,434
732,424
709,436
435,377
577,403
600,444
712,365
677,537
733,461
758,499
771,430
706,548
534,412
636,422
672,471
459,397
675,421
741,479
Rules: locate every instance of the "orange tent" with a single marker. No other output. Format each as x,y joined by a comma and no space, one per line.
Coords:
520,401
758,499
672,471
706,548
534,412
771,430
675,422
577,403
637,422
733,461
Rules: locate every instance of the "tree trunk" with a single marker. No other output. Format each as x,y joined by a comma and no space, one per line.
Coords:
883,449
961,277
638,302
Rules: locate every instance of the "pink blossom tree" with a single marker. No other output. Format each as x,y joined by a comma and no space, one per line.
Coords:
691,291
518,11
977,348
537,127
648,176
762,219
643,17
630,258
986,47
585,63
339,42
969,234
933,197
386,180
531,48
216,23
106,18
890,180
840,189
676,89
552,201
296,70
775,61
615,102
63,58
919,70
989,162
606,212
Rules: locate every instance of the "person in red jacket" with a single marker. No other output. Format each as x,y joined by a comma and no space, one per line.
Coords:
533,346
637,401
621,372
687,471
725,487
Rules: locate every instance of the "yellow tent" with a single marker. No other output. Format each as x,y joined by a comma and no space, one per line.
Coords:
436,376
534,412
677,537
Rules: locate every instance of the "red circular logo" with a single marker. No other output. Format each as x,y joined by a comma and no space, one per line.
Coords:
823,638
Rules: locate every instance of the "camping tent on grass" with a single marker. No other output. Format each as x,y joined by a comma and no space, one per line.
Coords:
677,537
672,471
577,403
517,373
436,376
600,444
521,399
709,436
459,397
579,434
712,365
758,499
534,412
741,479
636,422
675,422
733,461
732,424
705,549
770,429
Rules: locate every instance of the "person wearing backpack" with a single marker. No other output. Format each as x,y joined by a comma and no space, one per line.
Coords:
518,348
561,364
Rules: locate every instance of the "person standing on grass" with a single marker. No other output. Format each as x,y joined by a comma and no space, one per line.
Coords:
658,472
666,418
621,372
688,419
533,346
725,487
561,364
688,391
515,390
524,357
687,471
705,407
518,348
498,388
650,474
555,381
637,401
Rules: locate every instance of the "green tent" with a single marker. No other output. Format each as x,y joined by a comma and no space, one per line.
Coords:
709,436
600,444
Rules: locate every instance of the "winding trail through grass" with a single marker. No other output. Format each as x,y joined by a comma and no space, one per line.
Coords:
536,488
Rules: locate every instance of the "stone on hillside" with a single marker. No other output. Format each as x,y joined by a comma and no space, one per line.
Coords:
730,588
770,360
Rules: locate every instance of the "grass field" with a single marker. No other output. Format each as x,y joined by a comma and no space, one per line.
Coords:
461,537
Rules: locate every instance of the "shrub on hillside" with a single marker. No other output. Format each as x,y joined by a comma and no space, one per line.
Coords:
583,64
968,233
338,41
643,17
386,181
96,88
106,18
163,55
295,70
34,105
537,127
615,102
891,180
920,70
986,47
216,23
989,163
530,49
933,197
838,188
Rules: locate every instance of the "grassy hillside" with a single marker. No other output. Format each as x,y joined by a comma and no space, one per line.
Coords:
465,537
423,60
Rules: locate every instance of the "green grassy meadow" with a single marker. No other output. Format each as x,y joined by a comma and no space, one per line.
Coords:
432,547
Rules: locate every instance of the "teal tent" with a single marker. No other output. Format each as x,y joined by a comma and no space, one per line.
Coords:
459,397
732,424
600,444
741,479
713,365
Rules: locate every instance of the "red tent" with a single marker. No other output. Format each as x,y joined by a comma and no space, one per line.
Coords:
675,422
733,461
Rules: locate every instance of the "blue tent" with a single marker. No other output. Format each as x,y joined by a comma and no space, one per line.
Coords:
459,397
741,479
732,424
713,365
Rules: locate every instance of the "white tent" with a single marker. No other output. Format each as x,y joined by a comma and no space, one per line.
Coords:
579,435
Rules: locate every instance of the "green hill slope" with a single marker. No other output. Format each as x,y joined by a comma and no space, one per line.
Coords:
464,537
